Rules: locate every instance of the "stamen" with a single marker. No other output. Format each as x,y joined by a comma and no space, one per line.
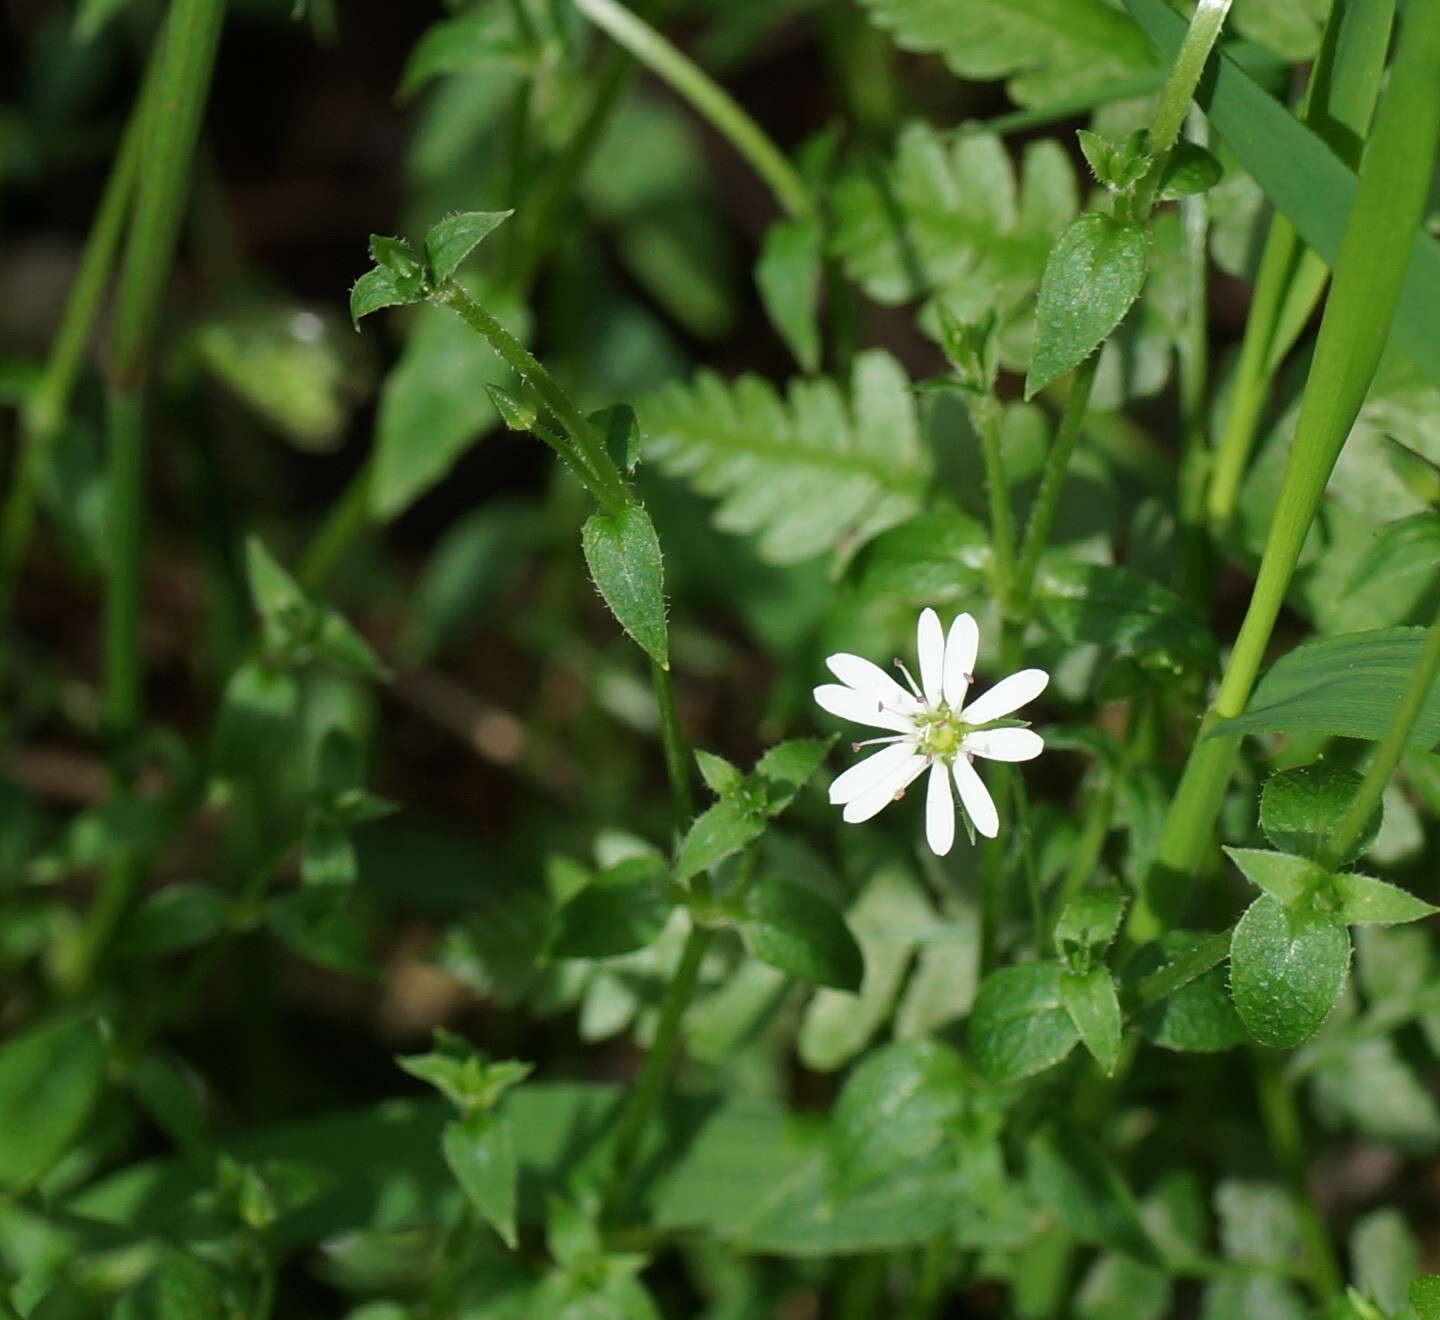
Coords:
910,678
875,742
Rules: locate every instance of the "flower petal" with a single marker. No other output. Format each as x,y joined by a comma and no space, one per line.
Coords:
1008,695
978,803
865,774
939,811
863,709
930,646
961,648
880,795
1004,744
866,677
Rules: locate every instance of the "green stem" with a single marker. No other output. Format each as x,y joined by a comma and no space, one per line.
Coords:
1193,354
1370,271
1281,1117
1179,87
608,487
677,751
1350,828
1052,479
644,1096
45,414
985,417
930,1285
708,98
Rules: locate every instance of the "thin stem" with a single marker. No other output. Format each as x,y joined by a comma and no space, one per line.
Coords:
1350,828
1281,1117
677,751
347,519
930,1285
1192,352
45,414
608,486
1047,498
644,1096
1185,73
985,417
708,98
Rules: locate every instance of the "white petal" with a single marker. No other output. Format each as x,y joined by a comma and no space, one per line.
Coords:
961,648
1008,695
978,803
863,709
930,646
1004,744
863,774
939,811
881,794
866,677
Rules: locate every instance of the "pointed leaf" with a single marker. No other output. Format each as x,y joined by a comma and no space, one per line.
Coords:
1364,901
623,553
1019,1025
1290,881
50,1077
1286,971
802,934
721,778
1090,921
480,1151
455,237
375,289
1094,273
1090,999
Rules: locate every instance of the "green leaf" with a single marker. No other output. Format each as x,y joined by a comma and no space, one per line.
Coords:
1019,1025
1364,901
375,289
1094,273
812,474
178,1288
718,832
1089,997
1048,51
1386,1257
1072,1179
1290,881
480,1151
933,559
477,39
171,919
623,909
1286,970
720,776
462,1073
50,1077
949,215
455,237
894,1110
623,554
1303,178
1425,1296
801,933
1197,1018
324,924
1349,686
788,276
1088,923
1409,547
1117,165
1191,169
1118,608
1300,807
785,769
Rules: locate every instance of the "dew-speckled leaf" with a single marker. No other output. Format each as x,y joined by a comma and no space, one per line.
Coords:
1094,273
623,554
1363,900
1019,1025
1300,807
893,1110
375,289
1286,970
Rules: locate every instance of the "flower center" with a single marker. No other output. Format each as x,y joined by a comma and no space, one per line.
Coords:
941,734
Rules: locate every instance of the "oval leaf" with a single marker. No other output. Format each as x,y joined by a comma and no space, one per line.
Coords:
797,931
1019,1025
1094,272
1299,809
893,1110
1286,970
49,1078
623,553
624,909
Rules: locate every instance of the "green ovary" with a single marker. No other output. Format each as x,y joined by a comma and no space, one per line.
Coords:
943,739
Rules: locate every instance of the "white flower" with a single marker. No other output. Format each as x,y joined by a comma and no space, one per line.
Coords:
932,728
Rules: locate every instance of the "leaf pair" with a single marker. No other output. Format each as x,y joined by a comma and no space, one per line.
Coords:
400,277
